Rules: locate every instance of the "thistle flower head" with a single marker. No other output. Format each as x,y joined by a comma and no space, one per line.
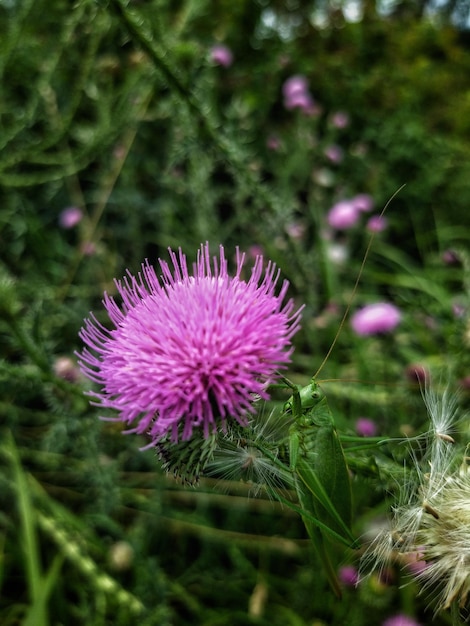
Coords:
431,522
189,350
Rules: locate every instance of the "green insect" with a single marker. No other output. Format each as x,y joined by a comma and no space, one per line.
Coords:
321,474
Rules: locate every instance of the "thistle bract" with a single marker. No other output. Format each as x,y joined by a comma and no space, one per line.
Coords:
189,350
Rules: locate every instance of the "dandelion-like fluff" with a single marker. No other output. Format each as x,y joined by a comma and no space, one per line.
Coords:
430,526
190,351
255,454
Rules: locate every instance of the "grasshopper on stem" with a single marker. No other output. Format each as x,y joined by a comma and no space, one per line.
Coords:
317,461
321,475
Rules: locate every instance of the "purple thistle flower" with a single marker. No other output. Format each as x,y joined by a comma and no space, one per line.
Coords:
340,119
348,575
343,215
294,85
372,319
187,350
297,96
221,55
363,202
302,101
70,217
334,153
377,224
400,620
366,427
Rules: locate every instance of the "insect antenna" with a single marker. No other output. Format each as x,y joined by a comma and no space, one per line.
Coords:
356,285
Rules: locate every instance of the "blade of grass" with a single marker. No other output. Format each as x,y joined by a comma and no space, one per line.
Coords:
38,610
29,540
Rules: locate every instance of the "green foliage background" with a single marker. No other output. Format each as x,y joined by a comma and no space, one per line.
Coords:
115,107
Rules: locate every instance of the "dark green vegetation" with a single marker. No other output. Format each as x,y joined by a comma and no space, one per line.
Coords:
118,110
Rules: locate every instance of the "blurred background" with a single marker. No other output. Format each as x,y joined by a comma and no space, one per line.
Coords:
284,128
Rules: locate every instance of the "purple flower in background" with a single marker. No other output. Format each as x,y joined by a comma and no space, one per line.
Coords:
417,373
297,96
303,101
88,248
450,257
415,562
295,229
400,620
348,575
70,217
294,85
366,427
363,202
458,309
255,251
189,350
377,224
221,55
380,317
340,119
334,153
273,142
343,215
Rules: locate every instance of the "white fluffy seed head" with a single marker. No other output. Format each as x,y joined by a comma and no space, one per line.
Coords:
431,521
446,541
252,456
